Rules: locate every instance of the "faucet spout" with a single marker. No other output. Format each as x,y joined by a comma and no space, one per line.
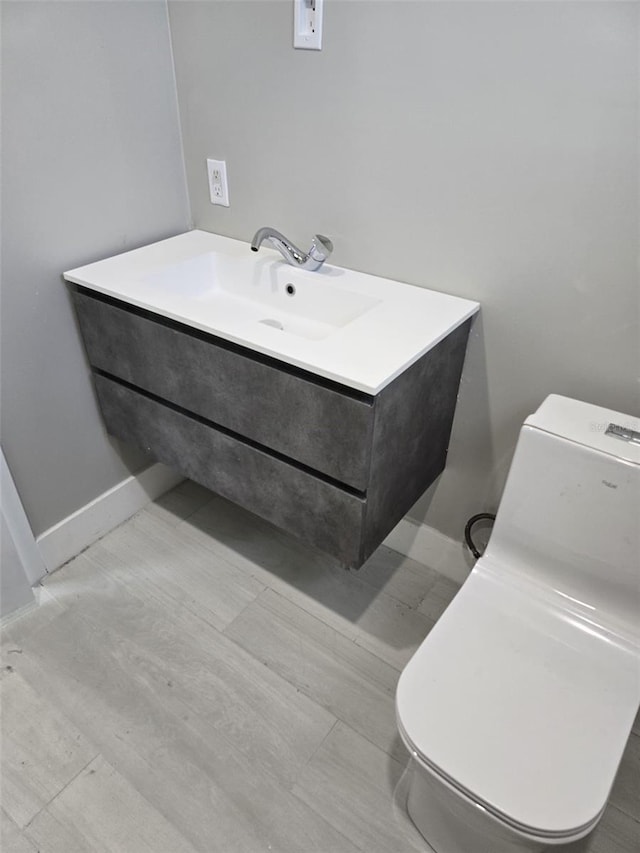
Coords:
321,248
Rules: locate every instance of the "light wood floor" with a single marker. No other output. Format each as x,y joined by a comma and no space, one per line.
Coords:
198,681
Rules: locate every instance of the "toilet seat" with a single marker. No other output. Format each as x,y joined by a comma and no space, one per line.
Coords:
515,676
523,831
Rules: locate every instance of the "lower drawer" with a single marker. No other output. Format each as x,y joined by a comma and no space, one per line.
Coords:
310,508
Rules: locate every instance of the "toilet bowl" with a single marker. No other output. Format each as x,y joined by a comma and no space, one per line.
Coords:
517,707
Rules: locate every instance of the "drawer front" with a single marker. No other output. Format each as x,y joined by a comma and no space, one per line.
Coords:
306,506
315,425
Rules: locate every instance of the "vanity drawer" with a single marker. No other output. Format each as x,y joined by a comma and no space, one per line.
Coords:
307,506
323,427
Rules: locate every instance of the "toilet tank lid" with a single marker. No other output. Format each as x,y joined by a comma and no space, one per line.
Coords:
601,429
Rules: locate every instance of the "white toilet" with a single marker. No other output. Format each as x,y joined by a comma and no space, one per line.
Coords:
517,707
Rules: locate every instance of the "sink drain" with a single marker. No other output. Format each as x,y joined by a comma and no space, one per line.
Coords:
276,324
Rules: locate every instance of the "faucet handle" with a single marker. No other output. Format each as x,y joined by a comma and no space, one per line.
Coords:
321,248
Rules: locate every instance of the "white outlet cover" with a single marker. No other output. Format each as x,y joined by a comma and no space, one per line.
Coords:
307,24
218,186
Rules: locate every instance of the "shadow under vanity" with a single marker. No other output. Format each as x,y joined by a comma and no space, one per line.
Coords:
335,465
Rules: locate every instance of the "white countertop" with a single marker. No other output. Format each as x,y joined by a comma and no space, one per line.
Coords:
356,329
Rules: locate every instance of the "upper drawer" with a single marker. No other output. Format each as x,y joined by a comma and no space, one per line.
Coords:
316,425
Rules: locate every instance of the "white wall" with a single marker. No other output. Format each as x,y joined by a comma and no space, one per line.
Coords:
91,166
484,149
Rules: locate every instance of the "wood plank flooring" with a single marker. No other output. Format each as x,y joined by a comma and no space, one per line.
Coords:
199,681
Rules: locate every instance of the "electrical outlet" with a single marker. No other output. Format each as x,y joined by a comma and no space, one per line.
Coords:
307,24
218,186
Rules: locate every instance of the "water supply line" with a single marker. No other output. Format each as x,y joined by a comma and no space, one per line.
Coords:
489,516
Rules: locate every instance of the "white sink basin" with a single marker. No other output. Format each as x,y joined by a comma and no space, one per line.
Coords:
356,329
244,291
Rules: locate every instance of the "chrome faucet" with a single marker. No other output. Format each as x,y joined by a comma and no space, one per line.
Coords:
321,248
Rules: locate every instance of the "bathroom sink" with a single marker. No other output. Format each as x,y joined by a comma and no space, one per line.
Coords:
350,327
321,400
244,291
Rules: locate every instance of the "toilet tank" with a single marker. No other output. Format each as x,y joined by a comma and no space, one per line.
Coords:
570,512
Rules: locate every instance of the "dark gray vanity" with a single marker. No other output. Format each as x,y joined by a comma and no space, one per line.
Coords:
332,465
321,401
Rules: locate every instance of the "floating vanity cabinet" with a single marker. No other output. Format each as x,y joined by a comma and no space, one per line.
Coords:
322,402
334,466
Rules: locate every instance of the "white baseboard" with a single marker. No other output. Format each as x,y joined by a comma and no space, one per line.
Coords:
427,545
76,532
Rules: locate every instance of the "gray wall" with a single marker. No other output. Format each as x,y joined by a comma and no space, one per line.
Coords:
484,149
91,166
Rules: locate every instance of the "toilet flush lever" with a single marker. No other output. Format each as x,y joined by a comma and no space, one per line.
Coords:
623,433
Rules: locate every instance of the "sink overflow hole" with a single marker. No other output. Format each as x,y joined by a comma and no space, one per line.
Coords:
291,289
